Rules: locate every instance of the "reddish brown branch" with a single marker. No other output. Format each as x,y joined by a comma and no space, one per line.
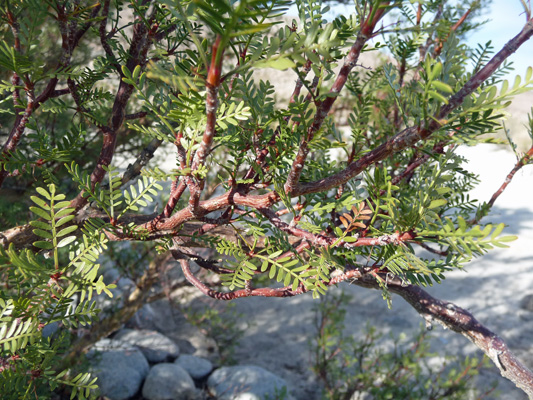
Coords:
15,29
324,108
182,153
177,190
22,236
68,43
297,207
483,74
286,291
431,309
22,119
18,129
212,86
137,56
440,44
16,133
300,82
208,206
461,321
409,136
175,195
321,240
523,161
424,48
248,292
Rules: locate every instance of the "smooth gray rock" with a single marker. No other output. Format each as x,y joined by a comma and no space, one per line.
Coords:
50,329
527,302
161,316
196,367
119,366
168,381
155,346
158,315
245,382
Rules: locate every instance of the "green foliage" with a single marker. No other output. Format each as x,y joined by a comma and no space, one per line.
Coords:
348,364
140,195
41,292
32,373
110,198
57,213
15,335
80,87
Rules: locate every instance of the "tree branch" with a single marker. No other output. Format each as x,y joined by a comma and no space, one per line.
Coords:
324,108
139,46
461,321
16,133
142,160
68,43
409,136
524,160
103,38
431,309
326,241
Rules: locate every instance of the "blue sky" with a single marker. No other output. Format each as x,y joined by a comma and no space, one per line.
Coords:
507,19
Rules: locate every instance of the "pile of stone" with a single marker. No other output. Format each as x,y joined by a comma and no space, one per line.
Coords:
148,363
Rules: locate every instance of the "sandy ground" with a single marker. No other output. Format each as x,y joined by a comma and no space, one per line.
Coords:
490,287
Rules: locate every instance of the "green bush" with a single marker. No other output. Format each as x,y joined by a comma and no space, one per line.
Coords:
93,93
357,365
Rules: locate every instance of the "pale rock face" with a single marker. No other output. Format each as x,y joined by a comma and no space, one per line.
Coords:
155,346
119,366
197,367
169,381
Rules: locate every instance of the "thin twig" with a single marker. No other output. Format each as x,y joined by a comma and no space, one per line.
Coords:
524,160
16,133
142,160
322,240
104,38
212,86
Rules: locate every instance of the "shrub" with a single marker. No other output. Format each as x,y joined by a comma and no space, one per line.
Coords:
290,202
